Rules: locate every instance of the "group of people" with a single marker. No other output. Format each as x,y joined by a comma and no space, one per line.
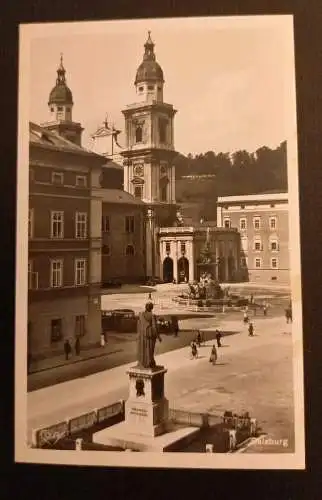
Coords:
197,343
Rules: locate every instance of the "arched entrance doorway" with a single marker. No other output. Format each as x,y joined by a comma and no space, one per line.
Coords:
168,270
231,268
221,269
183,270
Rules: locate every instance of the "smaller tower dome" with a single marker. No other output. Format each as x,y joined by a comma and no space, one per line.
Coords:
149,69
61,93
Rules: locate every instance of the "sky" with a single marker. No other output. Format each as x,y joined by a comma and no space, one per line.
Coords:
229,78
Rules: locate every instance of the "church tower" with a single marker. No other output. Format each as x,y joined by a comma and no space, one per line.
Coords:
60,104
149,173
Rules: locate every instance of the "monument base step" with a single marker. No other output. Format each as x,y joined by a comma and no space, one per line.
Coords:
121,436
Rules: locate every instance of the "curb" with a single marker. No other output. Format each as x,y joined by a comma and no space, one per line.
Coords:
74,362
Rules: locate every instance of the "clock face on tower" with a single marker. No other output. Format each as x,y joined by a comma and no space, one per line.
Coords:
139,170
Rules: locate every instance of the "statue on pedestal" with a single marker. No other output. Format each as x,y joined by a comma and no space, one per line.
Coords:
147,336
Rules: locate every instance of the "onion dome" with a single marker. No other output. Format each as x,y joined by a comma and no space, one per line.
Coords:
61,94
149,69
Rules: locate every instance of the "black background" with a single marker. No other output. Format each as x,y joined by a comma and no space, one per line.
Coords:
46,481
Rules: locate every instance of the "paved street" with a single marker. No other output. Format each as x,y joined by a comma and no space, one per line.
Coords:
121,347
252,374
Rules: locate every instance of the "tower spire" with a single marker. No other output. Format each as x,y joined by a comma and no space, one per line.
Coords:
61,72
149,54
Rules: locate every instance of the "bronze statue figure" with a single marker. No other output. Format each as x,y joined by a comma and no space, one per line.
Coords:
147,336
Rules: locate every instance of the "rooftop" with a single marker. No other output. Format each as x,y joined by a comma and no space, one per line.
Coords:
41,136
254,198
119,196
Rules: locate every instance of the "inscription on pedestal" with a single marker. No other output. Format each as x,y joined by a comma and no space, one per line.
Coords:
139,411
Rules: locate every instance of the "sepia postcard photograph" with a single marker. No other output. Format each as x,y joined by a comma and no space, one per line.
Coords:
158,273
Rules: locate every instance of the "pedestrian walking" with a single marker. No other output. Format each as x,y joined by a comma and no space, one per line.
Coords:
198,339
67,349
265,310
77,346
251,330
218,338
194,350
175,325
246,318
288,315
213,355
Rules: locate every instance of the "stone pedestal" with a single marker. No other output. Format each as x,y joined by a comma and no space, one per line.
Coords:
146,410
146,426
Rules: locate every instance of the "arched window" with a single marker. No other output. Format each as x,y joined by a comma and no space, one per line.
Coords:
138,191
138,134
129,250
163,130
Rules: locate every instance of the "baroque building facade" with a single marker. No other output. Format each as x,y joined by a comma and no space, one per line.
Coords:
262,221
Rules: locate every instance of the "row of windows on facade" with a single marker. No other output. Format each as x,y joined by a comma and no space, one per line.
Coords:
81,224
56,273
129,224
57,178
257,223
258,263
57,330
162,131
129,251
258,245
139,192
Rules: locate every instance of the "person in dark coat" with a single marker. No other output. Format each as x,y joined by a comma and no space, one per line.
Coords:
218,338
194,350
198,339
175,325
77,346
213,355
251,330
67,349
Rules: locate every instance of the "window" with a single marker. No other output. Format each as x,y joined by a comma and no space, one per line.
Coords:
162,129
56,273
129,250
56,333
227,222
274,245
168,247
183,247
243,224
258,245
243,262
258,263
129,224
150,87
106,251
244,243
257,223
57,178
30,223
80,325
81,181
138,134
274,263
81,225
105,224
141,89
138,191
272,223
57,224
52,109
32,277
68,110
80,272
